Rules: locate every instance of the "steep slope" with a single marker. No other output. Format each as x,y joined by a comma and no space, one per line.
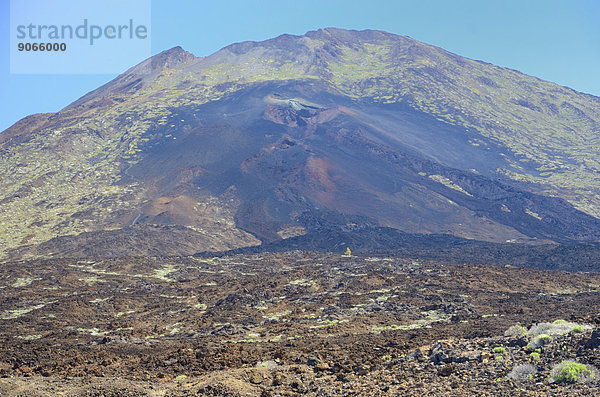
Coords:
269,140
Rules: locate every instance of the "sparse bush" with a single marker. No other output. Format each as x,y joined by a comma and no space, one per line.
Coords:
558,327
539,341
535,356
499,350
516,330
577,329
522,372
570,372
266,364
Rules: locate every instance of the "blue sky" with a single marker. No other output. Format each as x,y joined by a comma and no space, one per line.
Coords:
555,40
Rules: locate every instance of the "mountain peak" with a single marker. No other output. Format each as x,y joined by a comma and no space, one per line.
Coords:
166,59
331,34
170,58
134,78
350,34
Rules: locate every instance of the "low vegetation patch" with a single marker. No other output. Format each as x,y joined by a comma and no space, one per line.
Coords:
516,330
569,371
558,327
522,372
539,341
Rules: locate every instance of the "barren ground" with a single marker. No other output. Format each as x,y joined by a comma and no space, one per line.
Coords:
296,323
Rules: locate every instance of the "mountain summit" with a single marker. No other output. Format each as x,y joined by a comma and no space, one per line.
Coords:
335,129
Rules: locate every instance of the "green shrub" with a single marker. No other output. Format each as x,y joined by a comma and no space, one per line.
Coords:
499,350
539,341
535,356
570,372
577,329
516,330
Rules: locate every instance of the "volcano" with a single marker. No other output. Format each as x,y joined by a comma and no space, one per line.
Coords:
337,129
